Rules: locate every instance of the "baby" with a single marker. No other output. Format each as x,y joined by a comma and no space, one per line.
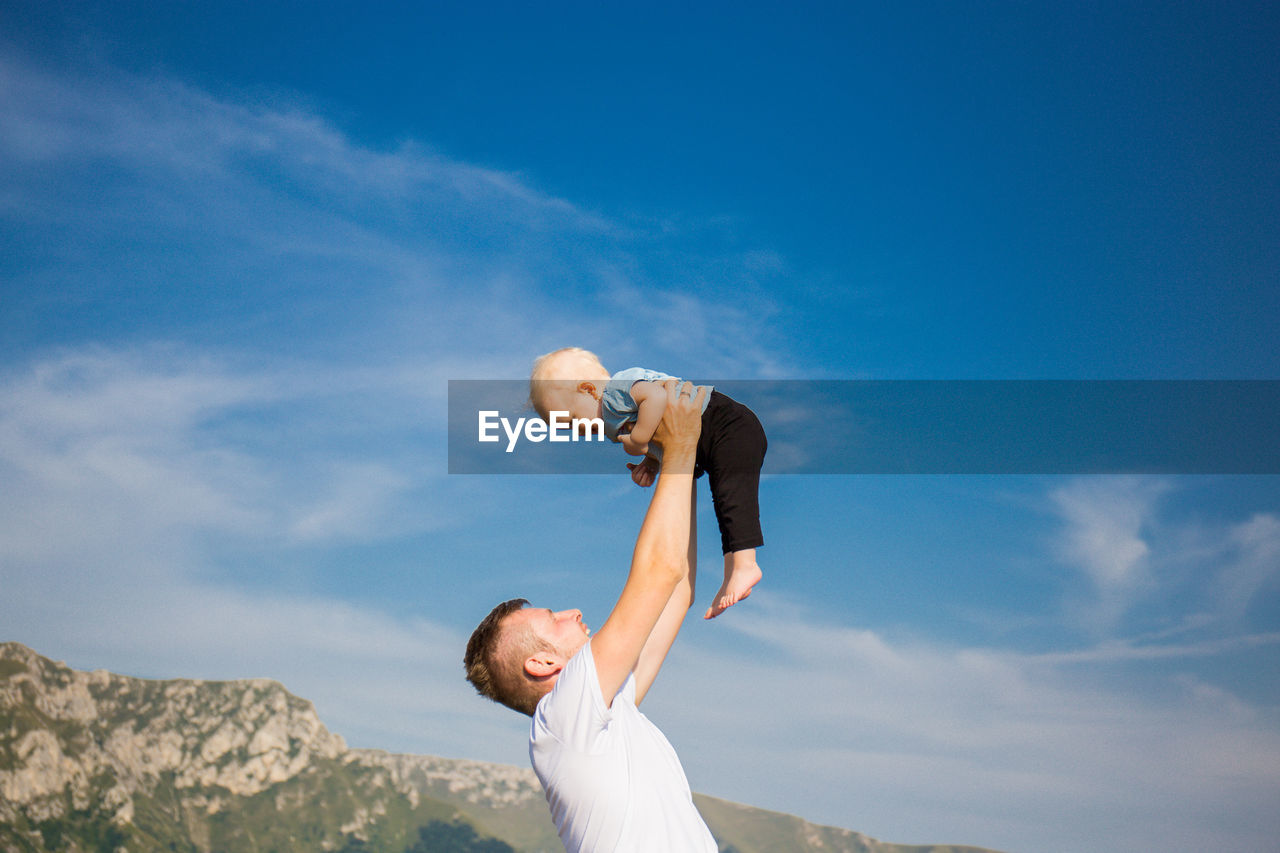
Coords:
730,450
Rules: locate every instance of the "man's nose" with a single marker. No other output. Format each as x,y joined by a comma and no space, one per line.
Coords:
575,615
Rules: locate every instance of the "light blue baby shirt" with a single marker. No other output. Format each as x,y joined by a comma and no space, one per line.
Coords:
618,407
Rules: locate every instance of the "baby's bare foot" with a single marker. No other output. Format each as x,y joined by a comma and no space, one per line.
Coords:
737,585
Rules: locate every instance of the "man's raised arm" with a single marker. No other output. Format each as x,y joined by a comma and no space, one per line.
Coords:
660,561
654,653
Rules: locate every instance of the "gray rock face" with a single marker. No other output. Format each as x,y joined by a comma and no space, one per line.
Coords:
491,785
72,738
85,748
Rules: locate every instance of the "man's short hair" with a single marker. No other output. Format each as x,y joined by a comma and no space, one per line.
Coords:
495,660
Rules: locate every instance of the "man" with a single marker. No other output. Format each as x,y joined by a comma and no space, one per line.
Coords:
612,780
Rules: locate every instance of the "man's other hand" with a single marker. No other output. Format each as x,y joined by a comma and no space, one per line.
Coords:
643,473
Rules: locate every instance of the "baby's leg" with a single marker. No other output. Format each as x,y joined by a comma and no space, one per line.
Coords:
740,574
733,460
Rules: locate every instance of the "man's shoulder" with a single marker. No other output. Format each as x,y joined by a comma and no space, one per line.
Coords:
573,714
577,676
580,665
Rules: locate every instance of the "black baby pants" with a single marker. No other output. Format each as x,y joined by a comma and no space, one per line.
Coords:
731,451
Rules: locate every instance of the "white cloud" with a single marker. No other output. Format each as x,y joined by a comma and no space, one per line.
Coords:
290,232
107,444
1117,651
120,463
161,125
1113,532
262,312
1104,537
1133,743
121,471
920,741
1252,565
133,470
116,461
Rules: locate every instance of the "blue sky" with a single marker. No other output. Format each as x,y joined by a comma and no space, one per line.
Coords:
245,247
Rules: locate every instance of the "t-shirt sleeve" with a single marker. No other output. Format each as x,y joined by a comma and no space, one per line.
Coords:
574,712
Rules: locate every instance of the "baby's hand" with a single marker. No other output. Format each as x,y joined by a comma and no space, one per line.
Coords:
633,447
643,473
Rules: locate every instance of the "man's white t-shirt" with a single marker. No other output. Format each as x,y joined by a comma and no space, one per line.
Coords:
613,782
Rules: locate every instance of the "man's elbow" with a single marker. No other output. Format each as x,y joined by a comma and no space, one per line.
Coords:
674,571
663,570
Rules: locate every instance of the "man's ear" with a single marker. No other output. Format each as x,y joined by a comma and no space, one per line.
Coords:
543,665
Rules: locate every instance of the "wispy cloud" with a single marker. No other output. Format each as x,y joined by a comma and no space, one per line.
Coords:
1128,743
1120,651
172,441
239,323
922,736
249,319
289,232
1252,564
162,125
137,482
1103,536
1206,575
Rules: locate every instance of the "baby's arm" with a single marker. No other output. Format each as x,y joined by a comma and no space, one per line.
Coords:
651,402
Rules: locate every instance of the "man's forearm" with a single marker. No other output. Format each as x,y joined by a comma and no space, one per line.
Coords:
668,626
664,536
658,564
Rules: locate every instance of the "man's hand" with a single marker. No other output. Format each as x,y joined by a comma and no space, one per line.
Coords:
681,423
644,472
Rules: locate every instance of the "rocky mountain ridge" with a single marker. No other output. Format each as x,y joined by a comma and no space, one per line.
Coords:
241,737
97,761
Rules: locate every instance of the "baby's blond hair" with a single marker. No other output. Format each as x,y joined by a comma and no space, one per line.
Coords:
545,373
543,365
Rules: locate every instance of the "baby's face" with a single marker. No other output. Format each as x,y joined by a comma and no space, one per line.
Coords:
578,403
582,405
